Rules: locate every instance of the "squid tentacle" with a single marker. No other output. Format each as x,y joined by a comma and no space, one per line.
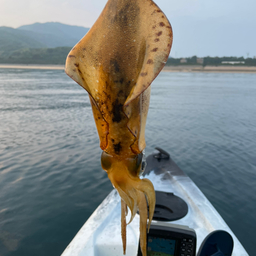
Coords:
123,224
147,188
134,192
143,222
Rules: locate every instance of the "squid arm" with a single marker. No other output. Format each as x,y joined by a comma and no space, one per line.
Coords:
116,62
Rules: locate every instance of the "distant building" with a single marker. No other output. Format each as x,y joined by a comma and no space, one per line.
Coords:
232,62
200,61
183,60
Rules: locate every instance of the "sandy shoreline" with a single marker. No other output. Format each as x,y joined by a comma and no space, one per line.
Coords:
31,66
216,69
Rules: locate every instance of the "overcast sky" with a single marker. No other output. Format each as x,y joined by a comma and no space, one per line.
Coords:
201,27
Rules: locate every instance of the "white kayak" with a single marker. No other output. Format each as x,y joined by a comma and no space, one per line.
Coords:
186,205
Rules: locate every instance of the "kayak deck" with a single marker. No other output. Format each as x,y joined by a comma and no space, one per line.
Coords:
101,234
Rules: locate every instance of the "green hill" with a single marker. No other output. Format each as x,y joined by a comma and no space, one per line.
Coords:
29,43
54,34
12,39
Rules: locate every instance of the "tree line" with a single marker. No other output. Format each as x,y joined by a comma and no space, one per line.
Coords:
58,56
212,61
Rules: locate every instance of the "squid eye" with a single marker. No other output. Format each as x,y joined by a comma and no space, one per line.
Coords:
106,161
134,164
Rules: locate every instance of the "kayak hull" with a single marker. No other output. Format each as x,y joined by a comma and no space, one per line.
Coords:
101,234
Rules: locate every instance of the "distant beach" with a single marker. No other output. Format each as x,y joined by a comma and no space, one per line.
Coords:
181,68
216,69
32,66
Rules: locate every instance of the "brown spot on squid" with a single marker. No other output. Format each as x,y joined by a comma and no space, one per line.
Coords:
117,148
117,111
144,74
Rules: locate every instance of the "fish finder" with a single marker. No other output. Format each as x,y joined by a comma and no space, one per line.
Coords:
165,239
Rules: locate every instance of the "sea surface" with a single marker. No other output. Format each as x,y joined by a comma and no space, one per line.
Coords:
50,174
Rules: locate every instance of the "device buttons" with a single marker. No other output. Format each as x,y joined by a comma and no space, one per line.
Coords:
186,247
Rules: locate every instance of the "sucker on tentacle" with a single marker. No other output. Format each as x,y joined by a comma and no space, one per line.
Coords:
115,63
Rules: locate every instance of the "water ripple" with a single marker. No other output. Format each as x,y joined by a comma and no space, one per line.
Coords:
50,174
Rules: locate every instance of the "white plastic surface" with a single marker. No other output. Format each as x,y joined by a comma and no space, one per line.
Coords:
101,234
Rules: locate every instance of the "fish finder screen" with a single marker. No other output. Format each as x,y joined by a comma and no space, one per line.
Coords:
160,246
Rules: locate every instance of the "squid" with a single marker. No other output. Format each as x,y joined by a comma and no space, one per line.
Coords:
116,62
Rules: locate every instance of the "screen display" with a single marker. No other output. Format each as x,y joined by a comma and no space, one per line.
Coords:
160,246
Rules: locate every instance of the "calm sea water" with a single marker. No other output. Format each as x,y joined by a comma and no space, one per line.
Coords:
50,174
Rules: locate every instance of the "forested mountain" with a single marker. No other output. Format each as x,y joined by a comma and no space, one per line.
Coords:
31,39
54,34
12,39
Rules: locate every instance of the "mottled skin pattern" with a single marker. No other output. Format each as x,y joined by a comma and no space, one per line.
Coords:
115,63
